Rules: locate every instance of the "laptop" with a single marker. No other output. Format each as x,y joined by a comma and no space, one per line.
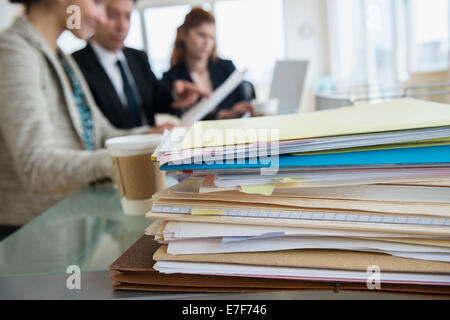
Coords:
287,84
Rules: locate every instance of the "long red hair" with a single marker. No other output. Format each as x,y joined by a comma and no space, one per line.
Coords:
193,19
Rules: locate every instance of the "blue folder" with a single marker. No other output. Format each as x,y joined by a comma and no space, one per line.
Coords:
418,155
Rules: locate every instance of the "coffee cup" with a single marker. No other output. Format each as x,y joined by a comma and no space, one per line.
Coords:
136,176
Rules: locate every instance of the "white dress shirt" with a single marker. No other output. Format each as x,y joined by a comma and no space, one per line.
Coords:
108,60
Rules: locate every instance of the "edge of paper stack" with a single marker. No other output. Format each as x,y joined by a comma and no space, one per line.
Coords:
360,198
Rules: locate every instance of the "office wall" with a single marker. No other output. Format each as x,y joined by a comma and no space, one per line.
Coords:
307,38
7,13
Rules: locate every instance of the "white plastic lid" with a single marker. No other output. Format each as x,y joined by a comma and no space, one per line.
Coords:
136,207
133,145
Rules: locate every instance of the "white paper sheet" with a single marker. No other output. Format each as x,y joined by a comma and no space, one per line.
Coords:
206,230
205,106
172,140
215,245
297,273
372,192
307,215
342,177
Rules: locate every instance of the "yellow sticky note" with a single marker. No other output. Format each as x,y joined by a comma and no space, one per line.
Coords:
207,212
264,189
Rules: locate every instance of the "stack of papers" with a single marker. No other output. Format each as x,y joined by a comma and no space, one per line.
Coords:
312,198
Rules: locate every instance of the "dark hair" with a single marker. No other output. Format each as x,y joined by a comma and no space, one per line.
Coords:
26,3
196,17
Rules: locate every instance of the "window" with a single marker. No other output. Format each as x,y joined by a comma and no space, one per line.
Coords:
379,43
135,39
256,45
347,36
429,35
253,46
161,25
69,43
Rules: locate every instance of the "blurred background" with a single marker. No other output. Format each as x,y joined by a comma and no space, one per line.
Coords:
357,50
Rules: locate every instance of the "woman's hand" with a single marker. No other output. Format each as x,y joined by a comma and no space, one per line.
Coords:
238,110
186,94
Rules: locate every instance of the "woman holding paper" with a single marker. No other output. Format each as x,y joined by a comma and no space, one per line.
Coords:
194,59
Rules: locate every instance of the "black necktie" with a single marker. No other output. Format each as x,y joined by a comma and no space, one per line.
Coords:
131,97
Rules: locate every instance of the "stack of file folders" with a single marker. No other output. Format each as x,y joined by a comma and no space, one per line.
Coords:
357,196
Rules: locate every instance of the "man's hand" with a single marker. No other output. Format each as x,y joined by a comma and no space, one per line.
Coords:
187,94
238,110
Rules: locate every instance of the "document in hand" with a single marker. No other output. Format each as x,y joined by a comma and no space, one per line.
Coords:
205,106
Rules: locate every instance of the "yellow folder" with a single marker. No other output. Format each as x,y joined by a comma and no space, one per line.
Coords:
402,114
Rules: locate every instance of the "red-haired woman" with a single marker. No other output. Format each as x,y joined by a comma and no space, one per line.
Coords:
194,59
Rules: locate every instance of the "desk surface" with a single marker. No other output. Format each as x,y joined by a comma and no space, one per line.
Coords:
88,229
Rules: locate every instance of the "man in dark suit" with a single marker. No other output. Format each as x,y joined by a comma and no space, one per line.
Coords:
120,78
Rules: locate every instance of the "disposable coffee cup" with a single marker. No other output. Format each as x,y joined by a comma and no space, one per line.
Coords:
136,176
